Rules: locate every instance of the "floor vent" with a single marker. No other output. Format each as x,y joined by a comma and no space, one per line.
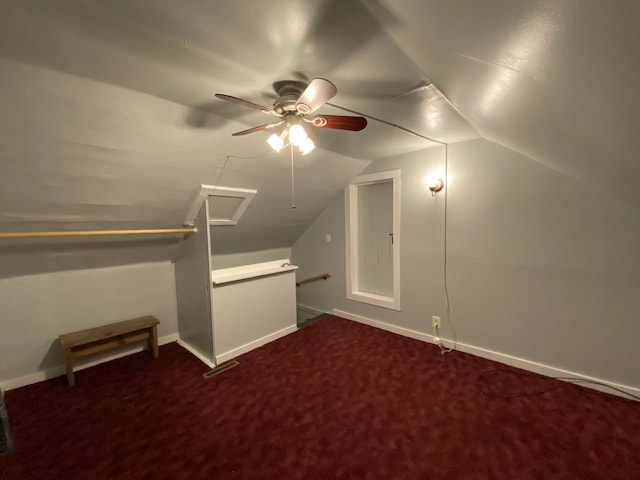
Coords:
221,368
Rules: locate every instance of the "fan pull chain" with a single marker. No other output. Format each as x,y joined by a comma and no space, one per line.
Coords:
293,188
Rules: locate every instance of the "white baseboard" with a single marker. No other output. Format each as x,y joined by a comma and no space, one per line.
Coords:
196,353
308,309
518,362
223,357
81,365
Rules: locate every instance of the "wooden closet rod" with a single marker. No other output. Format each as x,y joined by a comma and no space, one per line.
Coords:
322,276
87,233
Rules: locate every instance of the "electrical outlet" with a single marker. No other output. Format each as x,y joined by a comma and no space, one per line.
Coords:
435,321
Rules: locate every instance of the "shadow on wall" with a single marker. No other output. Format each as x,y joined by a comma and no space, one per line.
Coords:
54,356
33,256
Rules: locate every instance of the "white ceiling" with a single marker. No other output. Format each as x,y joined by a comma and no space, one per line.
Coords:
109,118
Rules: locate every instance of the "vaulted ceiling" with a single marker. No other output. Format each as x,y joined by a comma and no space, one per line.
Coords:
108,116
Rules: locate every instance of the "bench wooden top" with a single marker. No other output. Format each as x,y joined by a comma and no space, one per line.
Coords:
82,337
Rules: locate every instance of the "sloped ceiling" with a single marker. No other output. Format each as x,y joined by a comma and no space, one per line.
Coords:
108,117
554,80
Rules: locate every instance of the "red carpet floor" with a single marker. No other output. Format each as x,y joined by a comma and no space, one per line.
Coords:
335,400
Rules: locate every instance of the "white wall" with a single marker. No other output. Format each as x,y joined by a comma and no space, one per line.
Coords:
36,309
252,312
541,267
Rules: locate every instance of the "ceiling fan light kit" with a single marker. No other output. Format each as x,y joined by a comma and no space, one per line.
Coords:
296,100
276,141
297,136
307,146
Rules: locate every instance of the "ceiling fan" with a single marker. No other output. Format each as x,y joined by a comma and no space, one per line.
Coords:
295,101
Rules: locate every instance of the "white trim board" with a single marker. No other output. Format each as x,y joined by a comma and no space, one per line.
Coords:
196,353
518,362
223,357
207,191
308,309
59,370
352,242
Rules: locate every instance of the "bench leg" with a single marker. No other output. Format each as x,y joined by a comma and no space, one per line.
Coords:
153,341
68,361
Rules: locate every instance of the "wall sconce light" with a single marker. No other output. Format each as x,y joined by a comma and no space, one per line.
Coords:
435,184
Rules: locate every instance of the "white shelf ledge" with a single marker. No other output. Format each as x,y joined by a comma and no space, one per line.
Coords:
246,272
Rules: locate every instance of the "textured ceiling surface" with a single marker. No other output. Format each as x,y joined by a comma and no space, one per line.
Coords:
554,80
109,118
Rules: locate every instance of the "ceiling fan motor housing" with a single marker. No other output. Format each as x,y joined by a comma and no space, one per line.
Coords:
289,92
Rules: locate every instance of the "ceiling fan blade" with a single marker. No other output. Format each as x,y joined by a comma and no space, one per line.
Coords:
246,103
257,129
340,122
315,95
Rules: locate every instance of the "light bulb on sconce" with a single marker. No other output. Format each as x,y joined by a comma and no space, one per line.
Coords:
434,183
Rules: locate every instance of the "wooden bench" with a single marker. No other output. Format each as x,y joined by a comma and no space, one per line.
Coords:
105,337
